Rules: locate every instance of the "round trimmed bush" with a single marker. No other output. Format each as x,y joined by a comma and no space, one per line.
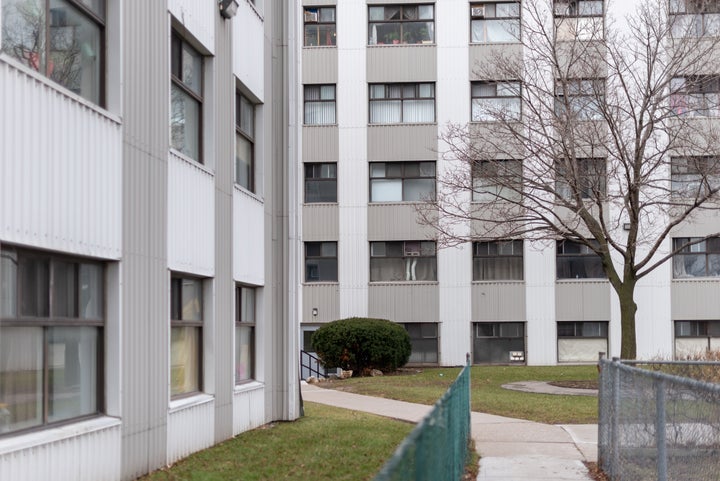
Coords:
362,344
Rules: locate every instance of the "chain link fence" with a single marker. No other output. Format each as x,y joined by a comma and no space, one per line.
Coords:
657,424
436,450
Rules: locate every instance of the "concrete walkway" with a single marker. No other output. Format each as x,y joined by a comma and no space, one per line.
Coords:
510,449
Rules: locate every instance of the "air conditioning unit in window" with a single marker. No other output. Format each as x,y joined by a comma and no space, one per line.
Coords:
311,17
517,356
477,11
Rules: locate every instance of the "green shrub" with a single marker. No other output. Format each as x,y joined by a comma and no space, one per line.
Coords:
362,344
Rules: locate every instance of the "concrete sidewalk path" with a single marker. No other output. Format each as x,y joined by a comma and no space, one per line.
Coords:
510,449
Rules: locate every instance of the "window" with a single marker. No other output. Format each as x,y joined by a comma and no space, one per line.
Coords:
62,39
244,142
320,183
245,315
696,337
588,180
403,261
493,101
51,338
701,259
580,341
695,328
498,260
402,181
495,22
697,96
577,261
424,342
578,19
186,308
321,263
395,24
694,176
579,99
402,103
319,26
186,98
495,180
695,18
319,104
499,342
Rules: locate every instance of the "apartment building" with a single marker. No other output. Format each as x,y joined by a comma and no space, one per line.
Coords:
380,81
147,309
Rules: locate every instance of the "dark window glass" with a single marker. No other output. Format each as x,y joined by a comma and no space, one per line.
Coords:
244,142
401,24
186,98
321,263
577,261
498,260
320,182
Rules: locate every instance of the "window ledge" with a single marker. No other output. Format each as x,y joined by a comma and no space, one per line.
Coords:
320,125
190,401
57,433
406,45
696,279
494,44
404,124
252,195
247,386
189,160
313,47
321,283
399,202
321,204
499,281
590,280
60,89
403,283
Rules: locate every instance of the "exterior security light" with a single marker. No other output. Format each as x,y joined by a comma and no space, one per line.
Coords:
228,8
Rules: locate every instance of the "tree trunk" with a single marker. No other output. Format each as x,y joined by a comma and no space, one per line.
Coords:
628,308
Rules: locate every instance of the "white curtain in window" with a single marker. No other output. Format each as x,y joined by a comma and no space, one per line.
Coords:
184,360
386,112
21,377
415,111
319,113
386,190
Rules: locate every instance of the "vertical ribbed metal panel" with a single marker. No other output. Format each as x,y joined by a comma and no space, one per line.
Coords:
582,300
62,193
319,65
320,143
93,455
145,278
198,18
250,49
248,246
320,222
498,301
695,299
249,409
223,249
539,260
480,69
396,222
404,302
323,297
191,216
402,142
402,63
190,429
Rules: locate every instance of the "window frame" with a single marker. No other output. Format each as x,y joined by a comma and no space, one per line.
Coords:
578,328
403,37
586,254
248,134
319,101
49,320
312,166
695,96
706,250
517,247
476,19
177,304
592,90
700,16
246,324
99,19
421,338
320,257
693,175
402,99
319,23
403,177
588,183
509,171
177,40
514,86
405,257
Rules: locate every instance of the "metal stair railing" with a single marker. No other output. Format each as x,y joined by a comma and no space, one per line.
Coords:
310,365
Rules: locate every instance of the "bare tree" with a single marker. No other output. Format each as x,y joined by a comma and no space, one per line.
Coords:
597,134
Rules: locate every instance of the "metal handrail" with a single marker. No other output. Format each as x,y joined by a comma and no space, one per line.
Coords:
314,364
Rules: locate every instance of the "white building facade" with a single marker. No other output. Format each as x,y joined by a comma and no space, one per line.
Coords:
147,309
381,80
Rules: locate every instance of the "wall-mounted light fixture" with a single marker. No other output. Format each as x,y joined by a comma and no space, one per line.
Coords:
315,311
228,8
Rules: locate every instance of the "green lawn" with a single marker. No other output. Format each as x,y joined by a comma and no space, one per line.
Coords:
425,386
327,444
